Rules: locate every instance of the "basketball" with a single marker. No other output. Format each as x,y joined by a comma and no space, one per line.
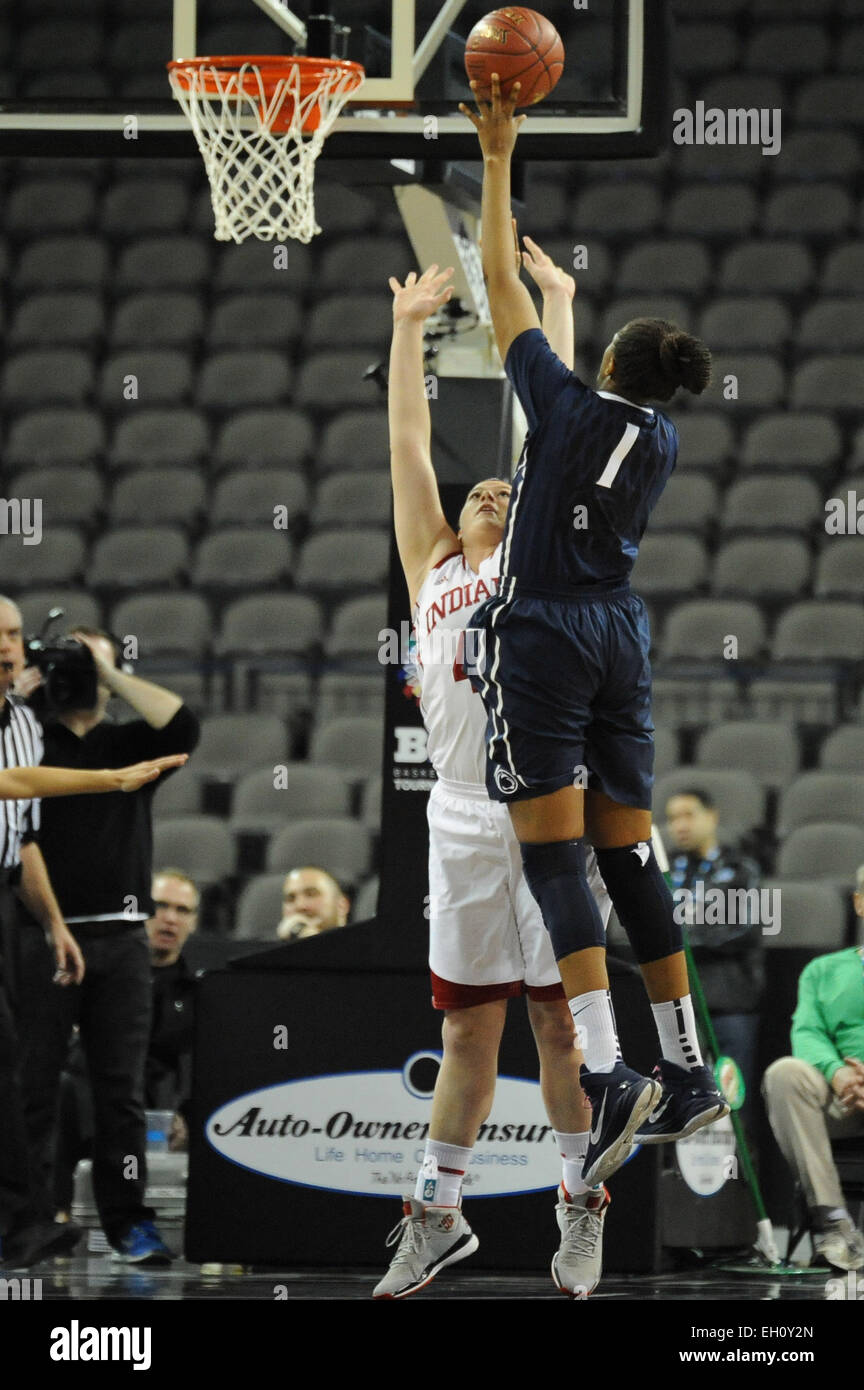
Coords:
521,46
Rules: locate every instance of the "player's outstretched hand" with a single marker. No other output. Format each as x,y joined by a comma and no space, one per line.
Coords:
129,779
548,276
418,298
495,121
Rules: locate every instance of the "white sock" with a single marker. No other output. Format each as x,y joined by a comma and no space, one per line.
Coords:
676,1029
596,1033
439,1182
838,1214
572,1148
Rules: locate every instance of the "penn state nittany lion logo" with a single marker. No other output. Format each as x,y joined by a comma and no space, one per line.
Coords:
505,781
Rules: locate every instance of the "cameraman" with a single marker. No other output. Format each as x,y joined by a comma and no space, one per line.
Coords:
99,853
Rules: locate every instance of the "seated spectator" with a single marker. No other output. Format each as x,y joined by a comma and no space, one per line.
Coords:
312,902
817,1094
728,955
167,1077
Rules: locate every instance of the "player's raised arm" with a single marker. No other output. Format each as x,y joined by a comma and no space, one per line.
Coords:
497,127
422,533
558,289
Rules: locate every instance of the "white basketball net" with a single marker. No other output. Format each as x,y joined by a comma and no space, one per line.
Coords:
261,180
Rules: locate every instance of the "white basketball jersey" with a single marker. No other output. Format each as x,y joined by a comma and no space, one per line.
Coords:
454,716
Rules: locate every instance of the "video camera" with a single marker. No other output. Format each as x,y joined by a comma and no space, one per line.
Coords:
69,676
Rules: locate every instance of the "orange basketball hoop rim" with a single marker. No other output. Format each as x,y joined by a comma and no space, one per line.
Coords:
280,88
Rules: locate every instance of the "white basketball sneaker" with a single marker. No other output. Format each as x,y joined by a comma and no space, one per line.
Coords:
577,1266
429,1239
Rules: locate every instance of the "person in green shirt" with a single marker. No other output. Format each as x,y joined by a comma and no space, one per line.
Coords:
817,1094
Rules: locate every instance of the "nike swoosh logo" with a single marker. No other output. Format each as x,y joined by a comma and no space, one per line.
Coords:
642,851
598,1123
655,1114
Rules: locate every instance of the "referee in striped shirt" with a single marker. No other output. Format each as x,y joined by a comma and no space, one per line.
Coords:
22,873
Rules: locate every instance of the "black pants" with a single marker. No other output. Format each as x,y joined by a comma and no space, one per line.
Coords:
19,1203
112,1008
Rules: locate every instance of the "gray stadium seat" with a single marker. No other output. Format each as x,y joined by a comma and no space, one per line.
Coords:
817,154
254,266
342,209
738,796
165,623
160,378
596,271
820,631
763,503
669,564
359,263
787,48
761,380
355,627
150,438
259,909
688,502
773,568
264,438
666,751
57,559
697,631
151,495
850,49
639,306
801,701
616,211
698,49
549,207
57,43
202,844
355,439
238,558
769,751
370,804
730,324
70,496
53,320
341,694
140,44
75,83
138,207
232,743
791,439
831,325
680,265
334,561
236,380
349,320
339,845
742,89
721,162
270,623
251,497
131,557
255,320
49,207
765,267
843,270
351,744
843,748
828,851
260,807
361,498
707,441
709,211
816,797
330,381
60,262
839,572
835,100
816,210
365,904
79,608
163,262
178,795
166,319
46,376
812,915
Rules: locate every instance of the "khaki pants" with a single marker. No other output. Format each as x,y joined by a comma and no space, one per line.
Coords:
805,1116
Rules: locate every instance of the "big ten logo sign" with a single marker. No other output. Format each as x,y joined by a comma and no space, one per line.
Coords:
410,744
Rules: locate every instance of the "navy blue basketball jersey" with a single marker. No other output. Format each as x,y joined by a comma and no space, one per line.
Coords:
592,469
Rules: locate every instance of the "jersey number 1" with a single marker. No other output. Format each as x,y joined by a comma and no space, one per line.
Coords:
618,455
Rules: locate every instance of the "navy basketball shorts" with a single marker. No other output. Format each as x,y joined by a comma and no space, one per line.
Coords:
566,684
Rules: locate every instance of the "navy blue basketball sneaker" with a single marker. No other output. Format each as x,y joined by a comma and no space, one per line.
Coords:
621,1101
690,1100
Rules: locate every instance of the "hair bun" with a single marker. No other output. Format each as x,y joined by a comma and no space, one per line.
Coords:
684,358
